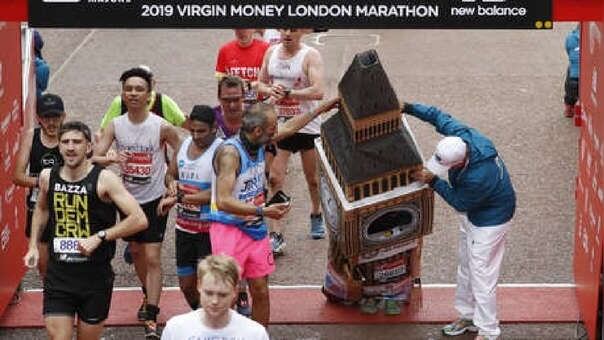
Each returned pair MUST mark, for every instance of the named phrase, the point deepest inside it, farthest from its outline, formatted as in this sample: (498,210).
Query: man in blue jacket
(40,65)
(572,45)
(480,190)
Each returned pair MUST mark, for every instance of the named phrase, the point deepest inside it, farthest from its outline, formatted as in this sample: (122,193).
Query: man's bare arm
(292,126)
(227,163)
(172,175)
(169,134)
(313,67)
(100,149)
(110,188)
(40,215)
(263,79)
(38,221)
(20,176)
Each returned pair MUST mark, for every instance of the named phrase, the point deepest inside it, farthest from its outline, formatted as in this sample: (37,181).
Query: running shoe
(391,306)
(369,306)
(277,243)
(459,327)
(243,305)
(151,330)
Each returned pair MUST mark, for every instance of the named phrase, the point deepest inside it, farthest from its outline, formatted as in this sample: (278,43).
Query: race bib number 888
(66,245)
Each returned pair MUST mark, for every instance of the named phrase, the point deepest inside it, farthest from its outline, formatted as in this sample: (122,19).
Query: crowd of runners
(222,168)
(218,166)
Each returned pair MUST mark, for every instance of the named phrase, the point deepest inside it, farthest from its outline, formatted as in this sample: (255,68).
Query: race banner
(589,236)
(12,199)
(450,14)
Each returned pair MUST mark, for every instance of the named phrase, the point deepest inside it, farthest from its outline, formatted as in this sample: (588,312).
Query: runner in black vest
(78,203)
(40,157)
(39,149)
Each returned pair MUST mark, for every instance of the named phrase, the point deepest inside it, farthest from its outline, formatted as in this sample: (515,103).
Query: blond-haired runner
(217,281)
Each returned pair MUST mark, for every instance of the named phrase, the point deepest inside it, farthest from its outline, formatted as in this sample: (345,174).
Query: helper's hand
(277,211)
(89,244)
(424,176)
(32,257)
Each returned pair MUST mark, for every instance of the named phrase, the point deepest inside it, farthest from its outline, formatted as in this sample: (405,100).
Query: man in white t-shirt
(218,279)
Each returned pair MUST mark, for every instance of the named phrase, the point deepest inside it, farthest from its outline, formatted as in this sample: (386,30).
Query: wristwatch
(102,235)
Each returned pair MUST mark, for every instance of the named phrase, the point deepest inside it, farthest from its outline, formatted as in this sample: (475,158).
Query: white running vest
(290,73)
(194,175)
(144,170)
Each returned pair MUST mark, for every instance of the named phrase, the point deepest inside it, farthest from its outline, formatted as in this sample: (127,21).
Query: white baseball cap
(449,151)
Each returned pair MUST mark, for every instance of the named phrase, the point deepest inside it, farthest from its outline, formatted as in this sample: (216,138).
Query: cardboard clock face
(330,206)
(398,222)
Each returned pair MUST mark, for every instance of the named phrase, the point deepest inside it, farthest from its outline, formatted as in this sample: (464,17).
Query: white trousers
(480,254)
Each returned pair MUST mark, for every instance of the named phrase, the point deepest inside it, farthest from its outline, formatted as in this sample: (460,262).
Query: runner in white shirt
(292,75)
(218,278)
(189,182)
(140,138)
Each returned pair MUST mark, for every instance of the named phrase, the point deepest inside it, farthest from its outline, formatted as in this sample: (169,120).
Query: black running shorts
(298,142)
(190,249)
(86,294)
(157,225)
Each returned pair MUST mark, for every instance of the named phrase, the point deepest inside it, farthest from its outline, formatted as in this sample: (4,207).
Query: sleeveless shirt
(290,74)
(77,212)
(249,188)
(144,170)
(194,175)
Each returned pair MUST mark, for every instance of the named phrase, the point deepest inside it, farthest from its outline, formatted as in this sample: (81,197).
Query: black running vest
(76,212)
(40,157)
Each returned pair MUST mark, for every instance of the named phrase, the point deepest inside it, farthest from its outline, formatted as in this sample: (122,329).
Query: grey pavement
(376,332)
(507,83)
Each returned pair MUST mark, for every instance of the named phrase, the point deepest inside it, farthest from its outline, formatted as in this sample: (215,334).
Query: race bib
(188,211)
(137,168)
(288,107)
(66,245)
